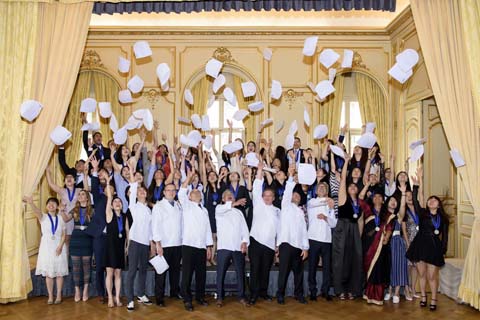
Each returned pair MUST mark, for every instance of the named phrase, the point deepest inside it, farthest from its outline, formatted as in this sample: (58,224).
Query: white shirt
(319,229)
(167,223)
(265,222)
(293,227)
(141,229)
(390,188)
(232,228)
(195,223)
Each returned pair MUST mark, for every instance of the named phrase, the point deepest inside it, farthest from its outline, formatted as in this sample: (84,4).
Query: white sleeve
(133,194)
(223,208)
(244,229)
(257,190)
(156,223)
(182,196)
(209,238)
(287,194)
(331,218)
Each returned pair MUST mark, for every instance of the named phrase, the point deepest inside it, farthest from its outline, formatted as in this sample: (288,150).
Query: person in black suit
(76,171)
(96,229)
(295,155)
(103,153)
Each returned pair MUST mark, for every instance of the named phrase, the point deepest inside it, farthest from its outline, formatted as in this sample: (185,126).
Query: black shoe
(313,297)
(267,297)
(433,307)
(188,306)
(281,300)
(252,301)
(423,303)
(301,300)
(329,297)
(160,304)
(144,300)
(202,302)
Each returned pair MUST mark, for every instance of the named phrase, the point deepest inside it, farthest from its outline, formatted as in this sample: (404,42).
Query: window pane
(353,141)
(342,118)
(355,117)
(228,112)
(214,115)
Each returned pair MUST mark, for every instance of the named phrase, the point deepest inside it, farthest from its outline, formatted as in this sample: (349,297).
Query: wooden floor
(37,309)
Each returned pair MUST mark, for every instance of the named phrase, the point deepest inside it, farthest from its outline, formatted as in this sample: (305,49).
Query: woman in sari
(376,237)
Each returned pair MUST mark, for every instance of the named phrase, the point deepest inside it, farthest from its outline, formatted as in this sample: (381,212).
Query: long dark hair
(281,154)
(384,213)
(445,217)
(153,184)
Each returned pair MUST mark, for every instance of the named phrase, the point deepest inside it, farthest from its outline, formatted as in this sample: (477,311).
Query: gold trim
(224,55)
(91,60)
(152,97)
(291,96)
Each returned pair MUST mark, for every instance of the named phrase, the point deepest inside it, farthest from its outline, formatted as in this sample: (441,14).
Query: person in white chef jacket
(321,220)
(197,243)
(167,234)
(261,250)
(232,243)
(292,240)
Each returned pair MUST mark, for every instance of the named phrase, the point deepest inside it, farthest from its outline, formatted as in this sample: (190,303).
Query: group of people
(372,229)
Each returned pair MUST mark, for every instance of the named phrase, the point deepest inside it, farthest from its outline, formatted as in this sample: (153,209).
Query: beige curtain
(61,38)
(106,89)
(331,108)
(201,93)
(73,121)
(18,24)
(439,27)
(373,107)
(250,121)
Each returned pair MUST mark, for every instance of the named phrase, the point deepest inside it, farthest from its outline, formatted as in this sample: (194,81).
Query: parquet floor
(36,309)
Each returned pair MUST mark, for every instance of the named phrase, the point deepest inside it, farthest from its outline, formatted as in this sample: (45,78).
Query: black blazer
(106,151)
(242,193)
(99,220)
(302,158)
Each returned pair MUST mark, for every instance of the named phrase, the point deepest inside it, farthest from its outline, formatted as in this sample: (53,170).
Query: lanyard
(82,215)
(70,194)
(435,221)
(54,227)
(356,208)
(157,193)
(120,223)
(377,218)
(235,191)
(414,216)
(215,197)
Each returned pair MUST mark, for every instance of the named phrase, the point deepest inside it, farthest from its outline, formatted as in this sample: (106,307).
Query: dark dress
(115,248)
(81,242)
(347,251)
(428,246)
(211,199)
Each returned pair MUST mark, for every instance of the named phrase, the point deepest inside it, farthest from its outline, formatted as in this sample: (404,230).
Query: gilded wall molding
(152,96)
(224,55)
(91,60)
(291,96)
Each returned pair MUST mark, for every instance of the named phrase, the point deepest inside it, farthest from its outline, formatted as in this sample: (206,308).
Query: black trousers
(319,249)
(224,259)
(290,260)
(99,244)
(193,260)
(261,260)
(173,256)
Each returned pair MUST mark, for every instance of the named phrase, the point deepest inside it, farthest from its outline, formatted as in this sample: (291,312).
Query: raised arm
(342,190)
(50,181)
(116,166)
(62,161)
(143,135)
(287,194)
(36,211)
(362,193)
(366,172)
(230,130)
(421,197)
(108,209)
(257,185)
(401,212)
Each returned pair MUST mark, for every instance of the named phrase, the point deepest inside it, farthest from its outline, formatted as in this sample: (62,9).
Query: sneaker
(387,297)
(144,300)
(396,299)
(130,306)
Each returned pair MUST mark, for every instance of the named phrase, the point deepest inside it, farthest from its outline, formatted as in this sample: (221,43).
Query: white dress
(48,263)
